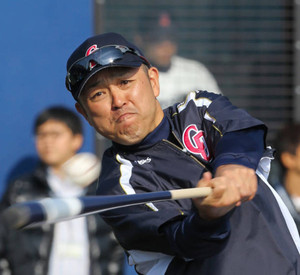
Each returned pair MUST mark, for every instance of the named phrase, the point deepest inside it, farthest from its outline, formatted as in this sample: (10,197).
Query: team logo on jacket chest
(194,141)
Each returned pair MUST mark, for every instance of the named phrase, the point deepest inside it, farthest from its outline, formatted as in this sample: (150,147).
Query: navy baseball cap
(97,53)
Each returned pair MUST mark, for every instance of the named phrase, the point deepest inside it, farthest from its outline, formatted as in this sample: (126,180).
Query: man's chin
(129,140)
(130,135)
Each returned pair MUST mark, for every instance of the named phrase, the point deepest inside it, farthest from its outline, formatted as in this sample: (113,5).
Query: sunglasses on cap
(105,57)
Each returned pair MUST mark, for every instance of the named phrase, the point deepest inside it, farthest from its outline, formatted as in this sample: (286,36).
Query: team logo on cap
(89,51)
(194,141)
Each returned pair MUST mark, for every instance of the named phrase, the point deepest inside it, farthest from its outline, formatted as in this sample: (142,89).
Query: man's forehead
(115,71)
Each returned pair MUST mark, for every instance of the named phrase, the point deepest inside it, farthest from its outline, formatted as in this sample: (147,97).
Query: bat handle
(189,193)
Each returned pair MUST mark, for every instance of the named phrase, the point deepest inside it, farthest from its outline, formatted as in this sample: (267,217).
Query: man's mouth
(124,117)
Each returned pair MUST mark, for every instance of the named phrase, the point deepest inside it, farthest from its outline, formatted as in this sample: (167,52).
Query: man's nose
(118,98)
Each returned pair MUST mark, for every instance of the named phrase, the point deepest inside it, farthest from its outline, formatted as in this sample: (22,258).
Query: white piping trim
(126,173)
(199,102)
(262,172)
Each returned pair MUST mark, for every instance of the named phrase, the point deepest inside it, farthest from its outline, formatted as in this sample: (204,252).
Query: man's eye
(124,82)
(95,95)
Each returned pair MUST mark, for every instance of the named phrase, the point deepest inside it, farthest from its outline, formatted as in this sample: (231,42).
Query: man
(157,37)
(287,180)
(81,246)
(204,141)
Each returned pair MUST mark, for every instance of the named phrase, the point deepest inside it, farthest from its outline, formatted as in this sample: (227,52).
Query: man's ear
(154,80)
(81,111)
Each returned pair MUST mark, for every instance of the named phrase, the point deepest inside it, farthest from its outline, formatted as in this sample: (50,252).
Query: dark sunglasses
(104,56)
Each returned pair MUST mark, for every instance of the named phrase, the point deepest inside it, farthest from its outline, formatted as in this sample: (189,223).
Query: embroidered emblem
(194,141)
(143,161)
(89,51)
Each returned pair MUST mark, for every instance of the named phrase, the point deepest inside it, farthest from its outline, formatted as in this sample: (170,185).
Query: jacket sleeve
(193,237)
(242,137)
(244,147)
(231,135)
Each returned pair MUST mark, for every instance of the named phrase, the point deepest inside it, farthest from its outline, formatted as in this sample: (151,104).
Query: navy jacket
(168,237)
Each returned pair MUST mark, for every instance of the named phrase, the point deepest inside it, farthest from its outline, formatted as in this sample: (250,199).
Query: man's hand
(232,185)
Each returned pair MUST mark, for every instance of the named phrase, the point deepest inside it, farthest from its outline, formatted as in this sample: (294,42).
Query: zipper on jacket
(183,149)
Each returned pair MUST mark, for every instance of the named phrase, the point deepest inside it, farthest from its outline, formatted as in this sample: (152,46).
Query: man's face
(56,143)
(291,161)
(160,53)
(120,103)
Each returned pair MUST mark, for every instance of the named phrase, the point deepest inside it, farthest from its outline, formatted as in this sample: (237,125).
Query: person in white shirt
(83,246)
(177,75)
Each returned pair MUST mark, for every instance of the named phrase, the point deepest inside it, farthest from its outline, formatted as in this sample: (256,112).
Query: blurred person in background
(82,246)
(177,75)
(285,176)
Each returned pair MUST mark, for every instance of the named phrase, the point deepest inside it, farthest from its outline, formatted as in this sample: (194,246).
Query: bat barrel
(20,215)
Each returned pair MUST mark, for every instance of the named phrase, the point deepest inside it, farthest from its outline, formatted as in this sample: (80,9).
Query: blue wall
(37,37)
(36,40)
